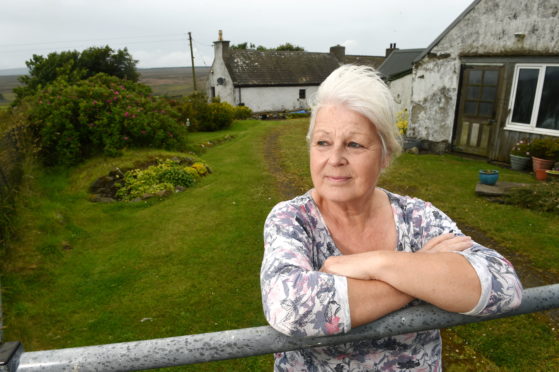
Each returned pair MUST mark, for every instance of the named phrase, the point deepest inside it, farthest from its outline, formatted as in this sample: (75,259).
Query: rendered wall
(487,30)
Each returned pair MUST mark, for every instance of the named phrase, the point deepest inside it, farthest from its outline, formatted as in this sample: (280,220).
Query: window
(534,106)
(481,92)
(212,92)
(302,93)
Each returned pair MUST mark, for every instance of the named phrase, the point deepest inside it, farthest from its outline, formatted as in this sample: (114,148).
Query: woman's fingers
(447,243)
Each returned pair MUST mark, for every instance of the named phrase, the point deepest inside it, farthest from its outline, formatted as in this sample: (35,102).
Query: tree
(290,47)
(73,66)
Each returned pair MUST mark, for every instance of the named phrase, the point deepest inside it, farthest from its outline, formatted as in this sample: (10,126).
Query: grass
(84,273)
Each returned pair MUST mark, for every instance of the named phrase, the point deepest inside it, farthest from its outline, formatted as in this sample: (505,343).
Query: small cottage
(396,70)
(270,80)
(490,79)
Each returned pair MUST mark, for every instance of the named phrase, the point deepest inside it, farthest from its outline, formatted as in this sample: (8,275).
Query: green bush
(163,177)
(545,148)
(102,114)
(542,197)
(204,116)
(242,112)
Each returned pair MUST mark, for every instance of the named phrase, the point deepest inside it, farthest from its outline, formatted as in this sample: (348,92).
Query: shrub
(242,112)
(163,177)
(204,116)
(545,148)
(543,197)
(102,114)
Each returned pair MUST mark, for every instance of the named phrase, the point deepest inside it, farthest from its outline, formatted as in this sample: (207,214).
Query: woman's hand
(356,266)
(447,243)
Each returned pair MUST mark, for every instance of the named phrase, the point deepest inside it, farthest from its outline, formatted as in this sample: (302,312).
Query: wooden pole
(192,59)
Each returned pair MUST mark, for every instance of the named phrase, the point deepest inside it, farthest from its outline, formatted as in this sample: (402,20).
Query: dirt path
(287,185)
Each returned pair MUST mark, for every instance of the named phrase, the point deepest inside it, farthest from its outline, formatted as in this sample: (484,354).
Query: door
(477,109)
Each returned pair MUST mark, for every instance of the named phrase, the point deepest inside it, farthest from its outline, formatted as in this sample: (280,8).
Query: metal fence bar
(175,351)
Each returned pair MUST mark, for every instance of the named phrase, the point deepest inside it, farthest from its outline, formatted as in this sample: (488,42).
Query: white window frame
(529,128)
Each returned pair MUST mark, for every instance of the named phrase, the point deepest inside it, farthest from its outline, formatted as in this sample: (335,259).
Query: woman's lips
(337,178)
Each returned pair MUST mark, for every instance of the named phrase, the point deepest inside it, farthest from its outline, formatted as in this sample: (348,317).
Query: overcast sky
(156,31)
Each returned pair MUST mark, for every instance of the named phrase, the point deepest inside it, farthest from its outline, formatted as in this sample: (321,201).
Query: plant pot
(519,162)
(538,163)
(411,142)
(488,177)
(541,174)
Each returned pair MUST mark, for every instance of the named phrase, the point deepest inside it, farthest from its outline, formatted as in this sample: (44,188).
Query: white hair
(360,89)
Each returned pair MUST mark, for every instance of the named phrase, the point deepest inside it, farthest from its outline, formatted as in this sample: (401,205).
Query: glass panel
(473,92)
(490,77)
(470,108)
(489,93)
(474,77)
(524,97)
(548,115)
(485,109)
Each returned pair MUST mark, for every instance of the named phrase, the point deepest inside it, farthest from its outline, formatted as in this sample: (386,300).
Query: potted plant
(520,155)
(544,151)
(488,176)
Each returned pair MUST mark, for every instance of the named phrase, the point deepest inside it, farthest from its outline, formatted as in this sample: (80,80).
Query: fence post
(10,353)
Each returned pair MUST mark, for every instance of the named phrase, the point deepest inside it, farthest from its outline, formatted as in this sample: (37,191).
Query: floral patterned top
(301,301)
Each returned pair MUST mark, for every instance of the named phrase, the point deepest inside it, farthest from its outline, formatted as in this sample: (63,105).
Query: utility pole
(192,59)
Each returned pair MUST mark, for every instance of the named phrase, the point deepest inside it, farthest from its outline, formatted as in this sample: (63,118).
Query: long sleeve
(501,290)
(298,299)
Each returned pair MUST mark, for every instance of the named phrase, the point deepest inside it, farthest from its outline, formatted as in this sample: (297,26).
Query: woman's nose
(337,156)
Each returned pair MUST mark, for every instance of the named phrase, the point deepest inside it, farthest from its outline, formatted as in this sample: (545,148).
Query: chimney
(391,49)
(221,47)
(338,51)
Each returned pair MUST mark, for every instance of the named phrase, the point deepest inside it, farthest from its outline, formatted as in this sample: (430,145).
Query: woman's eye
(354,145)
(321,143)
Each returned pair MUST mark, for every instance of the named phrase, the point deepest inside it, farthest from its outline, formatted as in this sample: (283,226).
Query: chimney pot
(220,35)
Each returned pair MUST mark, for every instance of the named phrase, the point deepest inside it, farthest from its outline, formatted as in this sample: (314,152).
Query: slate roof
(399,63)
(279,68)
(285,68)
(373,61)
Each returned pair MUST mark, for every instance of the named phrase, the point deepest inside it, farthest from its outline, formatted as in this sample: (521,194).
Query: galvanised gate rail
(175,351)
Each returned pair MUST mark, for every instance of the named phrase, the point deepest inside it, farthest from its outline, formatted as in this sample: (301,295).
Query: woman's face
(345,155)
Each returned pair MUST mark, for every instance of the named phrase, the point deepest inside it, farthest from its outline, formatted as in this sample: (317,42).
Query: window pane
(473,92)
(470,108)
(474,77)
(524,98)
(548,115)
(489,93)
(490,77)
(485,109)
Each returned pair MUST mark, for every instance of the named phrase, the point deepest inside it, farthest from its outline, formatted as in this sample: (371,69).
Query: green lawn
(83,273)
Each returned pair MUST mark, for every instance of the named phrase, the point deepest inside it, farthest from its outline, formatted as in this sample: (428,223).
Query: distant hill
(13,71)
(174,81)
(165,81)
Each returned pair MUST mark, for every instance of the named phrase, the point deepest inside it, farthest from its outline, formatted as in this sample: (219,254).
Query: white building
(271,81)
(490,79)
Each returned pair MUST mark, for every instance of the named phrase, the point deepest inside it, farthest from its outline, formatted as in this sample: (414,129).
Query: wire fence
(183,350)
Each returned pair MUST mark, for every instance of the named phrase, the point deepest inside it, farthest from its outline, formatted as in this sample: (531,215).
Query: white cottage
(271,81)
(491,78)
(396,70)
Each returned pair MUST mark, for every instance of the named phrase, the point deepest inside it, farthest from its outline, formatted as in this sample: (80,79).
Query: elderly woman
(347,252)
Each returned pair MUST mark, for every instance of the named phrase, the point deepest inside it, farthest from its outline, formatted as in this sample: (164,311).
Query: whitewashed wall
(219,70)
(261,99)
(401,90)
(488,29)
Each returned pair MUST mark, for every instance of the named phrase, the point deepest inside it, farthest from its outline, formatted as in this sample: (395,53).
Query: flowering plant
(402,121)
(521,148)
